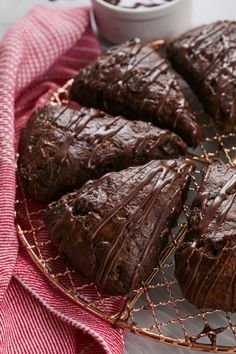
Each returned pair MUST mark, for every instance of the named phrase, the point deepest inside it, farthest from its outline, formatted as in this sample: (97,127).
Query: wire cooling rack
(157,310)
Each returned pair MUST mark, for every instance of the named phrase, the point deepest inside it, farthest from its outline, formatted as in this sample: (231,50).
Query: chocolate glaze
(206,260)
(206,57)
(62,148)
(132,4)
(113,229)
(133,80)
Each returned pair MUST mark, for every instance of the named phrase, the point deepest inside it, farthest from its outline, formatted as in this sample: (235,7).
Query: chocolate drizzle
(135,81)
(63,148)
(206,57)
(104,133)
(81,123)
(122,215)
(145,206)
(206,261)
(211,210)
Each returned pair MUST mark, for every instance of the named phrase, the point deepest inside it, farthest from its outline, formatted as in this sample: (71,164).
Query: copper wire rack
(158,309)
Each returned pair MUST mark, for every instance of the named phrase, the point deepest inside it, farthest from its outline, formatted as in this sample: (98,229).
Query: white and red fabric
(37,55)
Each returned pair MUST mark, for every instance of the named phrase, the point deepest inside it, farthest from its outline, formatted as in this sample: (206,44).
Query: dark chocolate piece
(133,80)
(62,148)
(134,4)
(206,58)
(206,260)
(113,229)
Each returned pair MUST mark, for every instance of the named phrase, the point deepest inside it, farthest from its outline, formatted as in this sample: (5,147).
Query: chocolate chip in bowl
(134,4)
(118,21)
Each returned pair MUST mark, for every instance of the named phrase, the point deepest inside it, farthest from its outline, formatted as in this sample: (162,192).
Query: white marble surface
(203,11)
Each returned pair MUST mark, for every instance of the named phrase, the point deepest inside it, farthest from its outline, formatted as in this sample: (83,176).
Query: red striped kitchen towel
(37,55)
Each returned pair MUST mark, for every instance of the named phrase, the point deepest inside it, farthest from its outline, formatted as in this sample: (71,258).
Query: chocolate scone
(133,80)
(206,260)
(62,148)
(206,58)
(113,229)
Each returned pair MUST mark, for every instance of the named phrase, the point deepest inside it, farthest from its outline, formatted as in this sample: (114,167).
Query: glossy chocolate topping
(206,57)
(133,4)
(206,261)
(133,80)
(113,229)
(63,148)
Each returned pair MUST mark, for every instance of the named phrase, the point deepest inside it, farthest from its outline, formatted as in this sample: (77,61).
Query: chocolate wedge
(113,229)
(206,260)
(133,80)
(206,57)
(62,148)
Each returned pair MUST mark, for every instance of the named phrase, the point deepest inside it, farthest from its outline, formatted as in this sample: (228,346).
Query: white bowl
(117,24)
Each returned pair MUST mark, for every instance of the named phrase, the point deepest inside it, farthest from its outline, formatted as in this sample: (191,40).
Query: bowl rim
(147,10)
